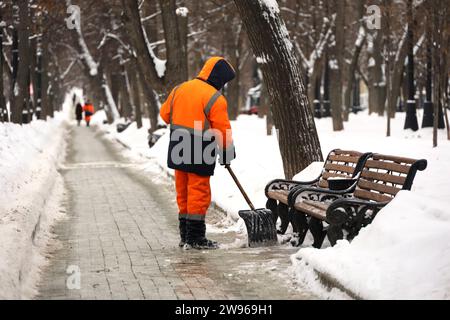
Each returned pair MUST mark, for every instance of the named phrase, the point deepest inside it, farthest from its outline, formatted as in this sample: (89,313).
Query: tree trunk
(20,94)
(266,107)
(428,112)
(233,43)
(115,86)
(411,107)
(145,62)
(315,81)
(135,95)
(337,50)
(377,86)
(351,74)
(298,139)
(175,33)
(44,79)
(326,89)
(127,105)
(3,110)
(397,77)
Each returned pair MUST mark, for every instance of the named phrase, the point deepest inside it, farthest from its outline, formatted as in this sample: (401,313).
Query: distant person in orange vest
(88,112)
(199,129)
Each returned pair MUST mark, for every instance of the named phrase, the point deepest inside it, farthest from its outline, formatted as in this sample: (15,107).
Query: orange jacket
(197,106)
(88,111)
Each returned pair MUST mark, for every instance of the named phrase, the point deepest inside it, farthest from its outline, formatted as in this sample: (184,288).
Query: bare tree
(298,139)
(19,95)
(3,110)
(336,63)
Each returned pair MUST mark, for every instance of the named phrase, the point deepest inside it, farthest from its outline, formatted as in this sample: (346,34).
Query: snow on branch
(160,65)
(150,17)
(272,5)
(115,37)
(309,63)
(65,73)
(111,103)
(182,12)
(85,54)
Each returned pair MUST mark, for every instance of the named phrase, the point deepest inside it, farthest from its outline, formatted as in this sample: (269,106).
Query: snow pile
(405,252)
(30,192)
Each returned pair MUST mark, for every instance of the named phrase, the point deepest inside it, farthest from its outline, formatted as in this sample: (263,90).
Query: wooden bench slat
(364,194)
(344,158)
(323,184)
(390,166)
(339,167)
(327,175)
(348,152)
(378,156)
(311,210)
(279,195)
(400,180)
(317,204)
(369,185)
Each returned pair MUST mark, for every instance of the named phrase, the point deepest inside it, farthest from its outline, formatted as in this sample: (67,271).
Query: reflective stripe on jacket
(192,109)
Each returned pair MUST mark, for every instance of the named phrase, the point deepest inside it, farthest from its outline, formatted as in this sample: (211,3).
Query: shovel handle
(240,187)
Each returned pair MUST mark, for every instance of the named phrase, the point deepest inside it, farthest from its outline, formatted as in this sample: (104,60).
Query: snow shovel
(260,223)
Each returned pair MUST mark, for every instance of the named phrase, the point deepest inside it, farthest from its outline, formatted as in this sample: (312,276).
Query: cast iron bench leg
(299,225)
(272,205)
(316,228)
(335,233)
(283,213)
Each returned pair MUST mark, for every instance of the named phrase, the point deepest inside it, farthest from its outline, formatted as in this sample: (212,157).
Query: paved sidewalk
(121,234)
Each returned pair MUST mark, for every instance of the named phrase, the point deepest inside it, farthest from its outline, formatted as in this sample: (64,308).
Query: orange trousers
(193,195)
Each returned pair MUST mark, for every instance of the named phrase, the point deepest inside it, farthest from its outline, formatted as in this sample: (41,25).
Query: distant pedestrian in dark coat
(79,113)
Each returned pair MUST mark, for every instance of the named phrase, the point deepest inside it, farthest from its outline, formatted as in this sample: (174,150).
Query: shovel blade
(261,227)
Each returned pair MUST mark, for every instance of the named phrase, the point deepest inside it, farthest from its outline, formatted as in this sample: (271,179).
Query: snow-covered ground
(31,190)
(405,253)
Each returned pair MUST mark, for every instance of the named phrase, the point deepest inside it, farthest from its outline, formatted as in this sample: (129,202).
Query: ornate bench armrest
(288,185)
(318,194)
(353,211)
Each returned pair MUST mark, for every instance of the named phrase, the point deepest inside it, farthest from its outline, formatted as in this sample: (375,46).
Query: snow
(361,37)
(160,65)
(405,252)
(272,5)
(31,190)
(85,54)
(111,103)
(87,57)
(333,63)
(182,12)
(262,60)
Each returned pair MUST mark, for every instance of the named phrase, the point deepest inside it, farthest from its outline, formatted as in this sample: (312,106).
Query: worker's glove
(227,155)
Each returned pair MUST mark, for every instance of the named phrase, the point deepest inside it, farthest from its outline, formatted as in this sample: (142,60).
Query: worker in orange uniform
(199,131)
(88,112)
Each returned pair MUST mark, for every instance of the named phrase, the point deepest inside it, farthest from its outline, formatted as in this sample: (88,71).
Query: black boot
(182,232)
(195,236)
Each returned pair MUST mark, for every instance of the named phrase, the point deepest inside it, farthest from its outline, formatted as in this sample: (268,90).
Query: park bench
(343,165)
(381,178)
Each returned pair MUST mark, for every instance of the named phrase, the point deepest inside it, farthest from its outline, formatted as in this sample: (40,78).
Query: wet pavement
(120,239)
